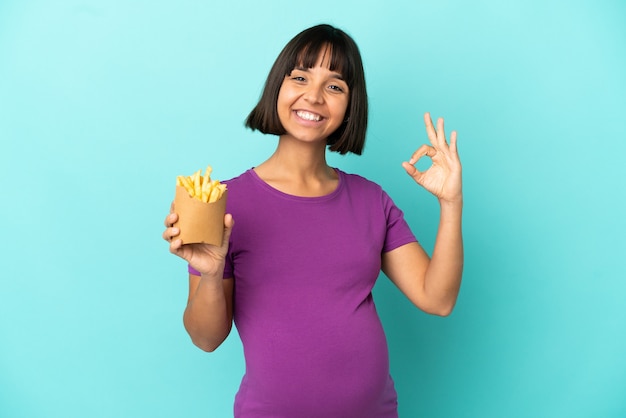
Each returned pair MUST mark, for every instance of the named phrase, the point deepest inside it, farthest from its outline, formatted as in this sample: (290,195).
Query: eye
(298,78)
(337,88)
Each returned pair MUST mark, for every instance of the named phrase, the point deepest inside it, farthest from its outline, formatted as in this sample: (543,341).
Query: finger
(441,133)
(170,233)
(453,147)
(430,129)
(229,222)
(424,150)
(411,170)
(171,219)
(175,246)
(409,167)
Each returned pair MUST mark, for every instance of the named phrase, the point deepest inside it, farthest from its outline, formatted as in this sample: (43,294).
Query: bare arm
(208,316)
(433,284)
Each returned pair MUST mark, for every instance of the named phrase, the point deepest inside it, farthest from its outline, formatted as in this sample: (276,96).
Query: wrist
(451,212)
(214,272)
(212,275)
(453,205)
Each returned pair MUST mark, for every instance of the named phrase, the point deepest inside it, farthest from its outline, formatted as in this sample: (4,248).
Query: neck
(298,168)
(299,159)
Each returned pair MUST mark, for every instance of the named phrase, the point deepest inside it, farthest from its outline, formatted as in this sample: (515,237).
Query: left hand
(443,177)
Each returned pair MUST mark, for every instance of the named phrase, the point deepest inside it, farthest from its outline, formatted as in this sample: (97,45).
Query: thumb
(229,222)
(412,171)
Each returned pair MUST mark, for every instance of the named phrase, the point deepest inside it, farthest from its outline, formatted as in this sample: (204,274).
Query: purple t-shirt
(304,269)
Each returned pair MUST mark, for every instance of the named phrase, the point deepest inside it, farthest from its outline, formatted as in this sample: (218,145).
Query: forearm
(443,276)
(207,317)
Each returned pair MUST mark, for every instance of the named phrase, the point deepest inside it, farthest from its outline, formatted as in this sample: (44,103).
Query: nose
(314,95)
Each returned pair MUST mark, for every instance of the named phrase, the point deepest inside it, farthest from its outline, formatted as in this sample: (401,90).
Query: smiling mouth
(308,116)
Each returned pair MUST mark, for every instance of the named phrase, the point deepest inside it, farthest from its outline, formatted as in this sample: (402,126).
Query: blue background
(103,103)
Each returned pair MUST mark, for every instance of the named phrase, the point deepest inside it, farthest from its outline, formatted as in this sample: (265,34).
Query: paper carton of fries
(200,203)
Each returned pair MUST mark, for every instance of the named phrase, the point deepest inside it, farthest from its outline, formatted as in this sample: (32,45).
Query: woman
(296,272)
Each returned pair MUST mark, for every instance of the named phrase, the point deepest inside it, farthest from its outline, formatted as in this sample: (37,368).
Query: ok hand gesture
(443,177)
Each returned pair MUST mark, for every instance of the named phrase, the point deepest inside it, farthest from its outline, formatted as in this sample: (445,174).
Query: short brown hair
(304,50)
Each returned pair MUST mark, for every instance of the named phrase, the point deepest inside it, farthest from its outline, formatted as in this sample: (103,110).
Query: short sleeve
(398,231)
(228,268)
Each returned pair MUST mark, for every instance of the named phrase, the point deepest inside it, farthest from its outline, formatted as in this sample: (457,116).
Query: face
(312,102)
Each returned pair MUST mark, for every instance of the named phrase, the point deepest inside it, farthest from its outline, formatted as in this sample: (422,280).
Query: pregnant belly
(331,367)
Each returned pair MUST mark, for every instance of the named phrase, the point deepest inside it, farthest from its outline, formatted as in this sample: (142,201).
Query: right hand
(206,258)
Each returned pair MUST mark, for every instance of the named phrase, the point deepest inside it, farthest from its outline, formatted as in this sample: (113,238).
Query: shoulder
(242,183)
(359,184)
(366,191)
(239,188)
(247,192)
(357,180)
(242,178)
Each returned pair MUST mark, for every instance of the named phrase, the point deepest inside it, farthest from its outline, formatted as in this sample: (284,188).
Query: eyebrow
(334,74)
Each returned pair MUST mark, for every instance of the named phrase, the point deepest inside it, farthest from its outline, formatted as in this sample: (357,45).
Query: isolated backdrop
(104,102)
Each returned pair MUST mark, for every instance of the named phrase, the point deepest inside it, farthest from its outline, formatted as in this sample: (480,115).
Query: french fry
(201,186)
(198,221)
(197,186)
(214,196)
(207,174)
(184,182)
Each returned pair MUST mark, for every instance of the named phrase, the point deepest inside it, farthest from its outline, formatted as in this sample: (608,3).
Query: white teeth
(308,115)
